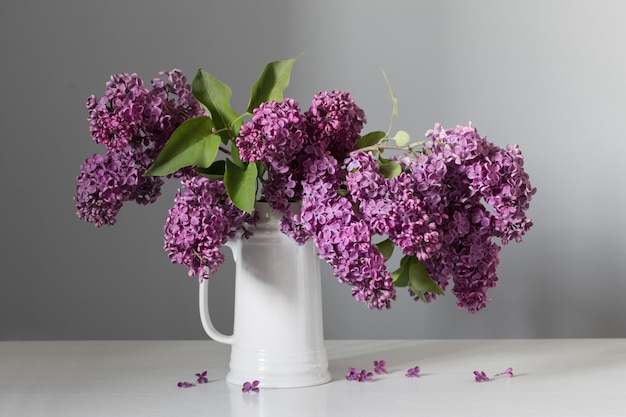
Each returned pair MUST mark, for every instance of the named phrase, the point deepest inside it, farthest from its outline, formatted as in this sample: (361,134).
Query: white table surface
(554,377)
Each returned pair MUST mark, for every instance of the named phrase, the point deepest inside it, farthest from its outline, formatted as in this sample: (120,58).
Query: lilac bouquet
(443,202)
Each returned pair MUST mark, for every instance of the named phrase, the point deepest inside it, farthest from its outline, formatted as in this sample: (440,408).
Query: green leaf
(234,155)
(386,248)
(241,185)
(193,143)
(370,139)
(401,275)
(270,85)
(419,278)
(215,171)
(390,169)
(402,138)
(260,167)
(215,97)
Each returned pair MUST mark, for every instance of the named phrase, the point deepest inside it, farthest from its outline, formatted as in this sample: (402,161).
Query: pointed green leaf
(390,169)
(386,248)
(260,167)
(234,155)
(214,172)
(420,279)
(401,275)
(270,85)
(215,97)
(395,276)
(370,139)
(402,138)
(241,185)
(193,143)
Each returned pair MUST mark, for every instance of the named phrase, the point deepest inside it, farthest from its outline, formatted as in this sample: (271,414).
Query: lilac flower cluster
(133,123)
(201,221)
(457,173)
(276,133)
(335,123)
(343,238)
(434,209)
(308,168)
(106,181)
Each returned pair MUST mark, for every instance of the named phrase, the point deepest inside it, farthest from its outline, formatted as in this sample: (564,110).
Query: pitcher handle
(205,318)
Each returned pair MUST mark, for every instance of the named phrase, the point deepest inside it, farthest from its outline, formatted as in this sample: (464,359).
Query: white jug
(278,336)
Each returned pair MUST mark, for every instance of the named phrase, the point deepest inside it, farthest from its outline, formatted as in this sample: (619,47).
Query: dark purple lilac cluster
(133,123)
(200,223)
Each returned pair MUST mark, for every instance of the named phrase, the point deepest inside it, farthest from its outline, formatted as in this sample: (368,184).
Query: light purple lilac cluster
(201,221)
(133,123)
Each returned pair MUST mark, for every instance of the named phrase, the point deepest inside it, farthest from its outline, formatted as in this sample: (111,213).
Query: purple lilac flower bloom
(106,181)
(413,372)
(202,220)
(275,134)
(334,122)
(458,173)
(480,376)
(380,367)
(133,123)
(250,386)
(116,117)
(202,378)
(343,239)
(392,206)
(491,173)
(185,384)
(352,374)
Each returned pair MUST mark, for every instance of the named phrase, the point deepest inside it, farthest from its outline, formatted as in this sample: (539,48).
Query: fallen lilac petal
(413,372)
(379,367)
(185,384)
(361,376)
(480,376)
(202,379)
(365,376)
(508,372)
(253,386)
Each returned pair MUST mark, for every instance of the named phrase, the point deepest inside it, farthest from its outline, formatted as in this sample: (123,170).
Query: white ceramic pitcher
(278,334)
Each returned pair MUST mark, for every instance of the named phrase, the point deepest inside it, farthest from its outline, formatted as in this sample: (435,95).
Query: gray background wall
(548,75)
